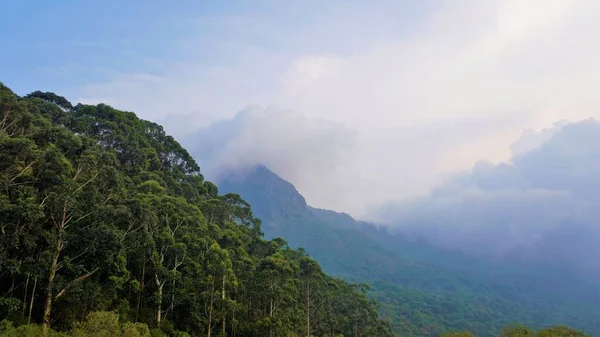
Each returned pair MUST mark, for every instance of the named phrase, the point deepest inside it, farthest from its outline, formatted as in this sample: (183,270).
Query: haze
(359,106)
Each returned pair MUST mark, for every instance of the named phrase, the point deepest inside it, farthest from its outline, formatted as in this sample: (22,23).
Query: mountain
(424,289)
(108,228)
(285,213)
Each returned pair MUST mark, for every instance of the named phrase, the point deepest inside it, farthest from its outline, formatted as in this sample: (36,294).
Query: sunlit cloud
(425,90)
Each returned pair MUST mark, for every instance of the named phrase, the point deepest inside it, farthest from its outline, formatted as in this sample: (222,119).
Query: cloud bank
(283,140)
(408,91)
(543,205)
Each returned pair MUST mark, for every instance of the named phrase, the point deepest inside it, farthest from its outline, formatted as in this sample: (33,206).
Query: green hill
(107,227)
(423,290)
(105,220)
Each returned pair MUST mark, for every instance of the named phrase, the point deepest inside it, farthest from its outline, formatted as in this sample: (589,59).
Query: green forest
(108,228)
(106,219)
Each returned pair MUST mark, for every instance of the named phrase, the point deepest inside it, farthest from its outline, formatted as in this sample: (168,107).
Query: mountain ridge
(268,192)
(398,266)
(108,228)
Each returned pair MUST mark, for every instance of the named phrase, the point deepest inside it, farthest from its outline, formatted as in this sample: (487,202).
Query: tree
(68,201)
(517,330)
(458,334)
(276,288)
(107,222)
(59,101)
(560,331)
(310,273)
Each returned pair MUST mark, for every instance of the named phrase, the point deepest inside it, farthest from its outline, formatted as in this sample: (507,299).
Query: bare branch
(44,200)
(77,280)
(22,172)
(79,219)
(84,184)
(130,230)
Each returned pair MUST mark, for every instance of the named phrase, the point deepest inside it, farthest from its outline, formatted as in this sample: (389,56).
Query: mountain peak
(271,196)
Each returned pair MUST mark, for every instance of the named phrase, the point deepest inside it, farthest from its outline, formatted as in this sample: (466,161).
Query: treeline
(103,214)
(418,313)
(518,330)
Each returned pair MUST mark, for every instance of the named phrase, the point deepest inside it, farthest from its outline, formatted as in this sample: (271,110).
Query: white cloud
(424,94)
(536,206)
(283,140)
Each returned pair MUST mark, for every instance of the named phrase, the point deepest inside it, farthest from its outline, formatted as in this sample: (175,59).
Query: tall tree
(102,212)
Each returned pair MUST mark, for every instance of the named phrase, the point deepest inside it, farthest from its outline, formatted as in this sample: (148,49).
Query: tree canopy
(106,221)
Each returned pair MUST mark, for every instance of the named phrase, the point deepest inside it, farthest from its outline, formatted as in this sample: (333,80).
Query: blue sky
(334,90)
(62,45)
(218,56)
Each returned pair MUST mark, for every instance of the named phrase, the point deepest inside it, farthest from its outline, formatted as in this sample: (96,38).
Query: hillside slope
(425,290)
(285,213)
(105,216)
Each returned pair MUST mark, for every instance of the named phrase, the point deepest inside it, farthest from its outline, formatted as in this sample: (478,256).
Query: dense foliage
(107,221)
(518,330)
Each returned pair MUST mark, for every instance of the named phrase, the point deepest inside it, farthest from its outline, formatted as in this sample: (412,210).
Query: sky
(358,103)
(542,205)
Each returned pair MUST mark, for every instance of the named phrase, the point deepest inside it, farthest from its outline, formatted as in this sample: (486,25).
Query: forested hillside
(107,221)
(423,290)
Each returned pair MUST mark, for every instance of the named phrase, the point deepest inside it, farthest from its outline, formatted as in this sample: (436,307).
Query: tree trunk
(25,296)
(142,280)
(233,324)
(50,285)
(172,306)
(32,297)
(209,320)
(12,286)
(210,307)
(224,308)
(159,285)
(271,316)
(308,310)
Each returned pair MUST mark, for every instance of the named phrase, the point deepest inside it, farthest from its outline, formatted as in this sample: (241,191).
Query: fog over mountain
(406,90)
(444,152)
(333,164)
(283,140)
(541,205)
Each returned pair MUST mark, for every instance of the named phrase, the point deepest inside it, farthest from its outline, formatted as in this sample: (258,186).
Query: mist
(542,205)
(366,105)
(283,140)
